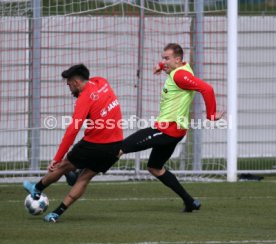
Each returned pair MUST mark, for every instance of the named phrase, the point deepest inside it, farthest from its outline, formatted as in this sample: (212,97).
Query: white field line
(106,183)
(152,198)
(193,242)
(100,183)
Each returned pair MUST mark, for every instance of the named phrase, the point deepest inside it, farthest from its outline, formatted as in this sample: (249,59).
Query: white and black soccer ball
(36,207)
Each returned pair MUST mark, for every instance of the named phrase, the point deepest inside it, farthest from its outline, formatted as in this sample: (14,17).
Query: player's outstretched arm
(187,81)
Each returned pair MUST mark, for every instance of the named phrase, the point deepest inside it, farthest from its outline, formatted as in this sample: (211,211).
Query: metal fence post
(35,86)
(198,69)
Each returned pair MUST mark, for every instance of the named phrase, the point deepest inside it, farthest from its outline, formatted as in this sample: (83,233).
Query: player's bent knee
(156,172)
(67,166)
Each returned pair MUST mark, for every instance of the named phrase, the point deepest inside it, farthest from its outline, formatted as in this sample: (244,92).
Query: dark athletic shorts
(162,145)
(94,156)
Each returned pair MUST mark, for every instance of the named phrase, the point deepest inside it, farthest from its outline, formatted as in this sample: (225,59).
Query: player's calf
(72,176)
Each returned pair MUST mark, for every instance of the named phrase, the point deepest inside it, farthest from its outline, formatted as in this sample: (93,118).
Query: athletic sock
(171,181)
(39,186)
(60,209)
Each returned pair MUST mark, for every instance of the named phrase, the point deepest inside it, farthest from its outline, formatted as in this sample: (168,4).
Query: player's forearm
(67,140)
(210,103)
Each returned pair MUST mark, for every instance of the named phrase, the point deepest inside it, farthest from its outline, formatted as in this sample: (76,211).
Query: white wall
(109,47)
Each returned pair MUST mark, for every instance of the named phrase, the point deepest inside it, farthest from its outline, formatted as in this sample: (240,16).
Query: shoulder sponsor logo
(94,96)
(103,89)
(112,105)
(103,112)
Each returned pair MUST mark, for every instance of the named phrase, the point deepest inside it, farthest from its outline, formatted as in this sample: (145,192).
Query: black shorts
(162,145)
(94,156)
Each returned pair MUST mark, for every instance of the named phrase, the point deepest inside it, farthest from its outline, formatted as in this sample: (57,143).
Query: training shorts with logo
(94,156)
(162,145)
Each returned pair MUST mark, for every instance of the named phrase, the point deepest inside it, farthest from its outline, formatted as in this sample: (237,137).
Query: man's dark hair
(177,49)
(76,70)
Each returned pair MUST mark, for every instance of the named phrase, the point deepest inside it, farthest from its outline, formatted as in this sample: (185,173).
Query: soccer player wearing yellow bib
(173,121)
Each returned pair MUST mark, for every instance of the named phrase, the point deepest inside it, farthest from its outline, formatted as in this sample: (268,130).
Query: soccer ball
(36,207)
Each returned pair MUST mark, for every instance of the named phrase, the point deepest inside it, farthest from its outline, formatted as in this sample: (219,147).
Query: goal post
(35,85)
(232,80)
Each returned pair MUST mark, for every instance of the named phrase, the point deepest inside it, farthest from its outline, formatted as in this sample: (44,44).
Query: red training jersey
(98,105)
(187,81)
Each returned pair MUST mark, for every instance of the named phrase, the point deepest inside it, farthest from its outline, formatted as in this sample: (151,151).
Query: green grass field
(145,212)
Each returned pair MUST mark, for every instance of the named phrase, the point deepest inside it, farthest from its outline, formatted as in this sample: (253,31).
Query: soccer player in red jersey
(98,150)
(173,120)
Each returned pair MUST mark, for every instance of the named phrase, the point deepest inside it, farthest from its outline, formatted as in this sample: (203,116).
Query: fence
(106,38)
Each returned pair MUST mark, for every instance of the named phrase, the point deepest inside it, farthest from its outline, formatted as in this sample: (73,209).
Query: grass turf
(145,212)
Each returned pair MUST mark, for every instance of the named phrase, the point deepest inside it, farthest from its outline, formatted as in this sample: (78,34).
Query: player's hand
(52,166)
(157,69)
(219,115)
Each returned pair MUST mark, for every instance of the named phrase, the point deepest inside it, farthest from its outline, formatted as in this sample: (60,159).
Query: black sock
(39,186)
(170,181)
(60,209)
